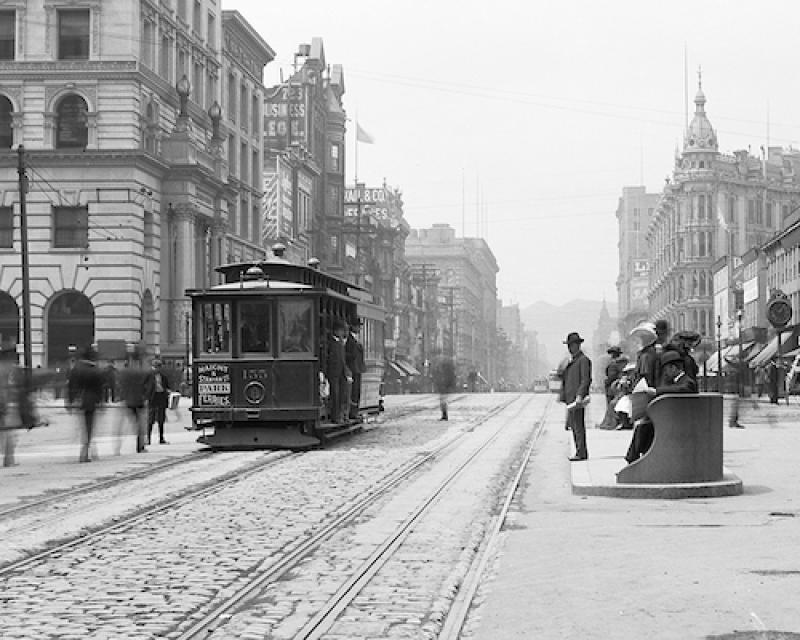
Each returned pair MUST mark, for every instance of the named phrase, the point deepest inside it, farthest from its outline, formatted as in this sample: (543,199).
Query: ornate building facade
(714,205)
(139,181)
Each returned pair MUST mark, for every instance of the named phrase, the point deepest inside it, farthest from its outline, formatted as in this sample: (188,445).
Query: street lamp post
(187,319)
(739,315)
(705,365)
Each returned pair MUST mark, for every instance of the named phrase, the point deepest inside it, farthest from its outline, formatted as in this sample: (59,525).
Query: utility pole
(450,304)
(26,277)
(426,268)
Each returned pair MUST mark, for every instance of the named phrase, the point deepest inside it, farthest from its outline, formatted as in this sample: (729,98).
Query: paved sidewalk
(47,457)
(599,567)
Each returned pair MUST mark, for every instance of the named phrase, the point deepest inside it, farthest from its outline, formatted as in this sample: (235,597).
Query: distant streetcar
(259,345)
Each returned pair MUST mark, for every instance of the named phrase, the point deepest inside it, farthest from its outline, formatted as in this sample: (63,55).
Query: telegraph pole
(26,289)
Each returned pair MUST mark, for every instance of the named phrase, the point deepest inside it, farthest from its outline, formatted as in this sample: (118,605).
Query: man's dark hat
(573,337)
(692,338)
(671,356)
(614,350)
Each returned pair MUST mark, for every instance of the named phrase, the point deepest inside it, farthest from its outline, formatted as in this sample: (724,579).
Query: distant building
(635,209)
(715,205)
(512,368)
(467,267)
(305,124)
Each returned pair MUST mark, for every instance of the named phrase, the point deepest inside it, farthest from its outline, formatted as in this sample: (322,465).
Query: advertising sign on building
(285,117)
(370,201)
(278,201)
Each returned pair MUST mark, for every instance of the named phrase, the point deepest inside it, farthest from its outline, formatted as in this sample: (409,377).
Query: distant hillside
(553,323)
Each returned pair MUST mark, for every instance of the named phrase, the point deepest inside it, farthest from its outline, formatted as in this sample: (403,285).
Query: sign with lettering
(285,117)
(213,384)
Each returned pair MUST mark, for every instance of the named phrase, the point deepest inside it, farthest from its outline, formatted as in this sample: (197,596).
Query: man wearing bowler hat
(576,380)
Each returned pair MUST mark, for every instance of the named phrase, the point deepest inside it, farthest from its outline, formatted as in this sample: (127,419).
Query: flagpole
(356,176)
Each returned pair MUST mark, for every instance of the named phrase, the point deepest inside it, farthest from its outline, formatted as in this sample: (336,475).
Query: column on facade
(185,228)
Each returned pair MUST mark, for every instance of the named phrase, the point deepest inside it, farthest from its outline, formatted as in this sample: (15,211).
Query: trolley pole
(26,276)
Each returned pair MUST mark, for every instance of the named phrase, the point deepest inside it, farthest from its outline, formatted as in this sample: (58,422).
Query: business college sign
(285,117)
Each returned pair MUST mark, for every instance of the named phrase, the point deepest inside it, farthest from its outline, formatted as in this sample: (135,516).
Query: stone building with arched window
(130,192)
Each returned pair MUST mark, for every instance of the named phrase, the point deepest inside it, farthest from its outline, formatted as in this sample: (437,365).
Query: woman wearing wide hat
(577,378)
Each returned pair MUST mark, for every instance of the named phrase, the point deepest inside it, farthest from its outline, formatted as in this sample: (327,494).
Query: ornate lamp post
(215,113)
(184,88)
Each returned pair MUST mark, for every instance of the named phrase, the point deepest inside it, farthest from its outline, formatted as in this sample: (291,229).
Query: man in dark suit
(156,390)
(354,358)
(577,378)
(337,372)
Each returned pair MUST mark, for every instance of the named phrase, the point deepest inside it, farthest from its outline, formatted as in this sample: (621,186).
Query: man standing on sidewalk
(577,378)
(157,390)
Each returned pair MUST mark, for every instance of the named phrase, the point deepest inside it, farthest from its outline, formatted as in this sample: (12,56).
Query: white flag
(363,136)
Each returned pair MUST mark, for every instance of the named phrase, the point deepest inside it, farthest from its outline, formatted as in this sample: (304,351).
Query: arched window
(6,129)
(72,128)
(70,322)
(9,327)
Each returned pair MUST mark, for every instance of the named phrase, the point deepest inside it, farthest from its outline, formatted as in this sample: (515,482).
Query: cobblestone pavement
(411,593)
(141,582)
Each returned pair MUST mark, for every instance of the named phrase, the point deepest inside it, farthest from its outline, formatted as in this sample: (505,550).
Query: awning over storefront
(406,366)
(788,343)
(396,370)
(712,364)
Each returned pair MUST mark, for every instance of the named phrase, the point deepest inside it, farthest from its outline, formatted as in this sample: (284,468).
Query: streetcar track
(324,619)
(221,612)
(461,604)
(140,515)
(100,485)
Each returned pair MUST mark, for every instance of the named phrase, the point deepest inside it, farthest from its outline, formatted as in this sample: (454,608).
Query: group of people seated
(664,364)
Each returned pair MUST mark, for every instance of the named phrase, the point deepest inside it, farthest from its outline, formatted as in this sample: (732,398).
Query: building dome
(700,135)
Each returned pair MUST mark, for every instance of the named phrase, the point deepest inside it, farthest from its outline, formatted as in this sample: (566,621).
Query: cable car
(260,343)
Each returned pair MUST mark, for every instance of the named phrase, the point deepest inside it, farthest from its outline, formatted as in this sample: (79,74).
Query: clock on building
(779,310)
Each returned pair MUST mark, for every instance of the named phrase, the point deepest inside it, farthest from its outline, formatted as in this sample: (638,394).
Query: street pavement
(47,456)
(600,567)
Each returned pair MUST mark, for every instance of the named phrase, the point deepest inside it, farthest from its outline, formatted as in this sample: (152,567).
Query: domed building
(713,206)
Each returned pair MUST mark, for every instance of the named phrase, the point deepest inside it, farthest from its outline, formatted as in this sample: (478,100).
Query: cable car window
(254,327)
(217,327)
(295,326)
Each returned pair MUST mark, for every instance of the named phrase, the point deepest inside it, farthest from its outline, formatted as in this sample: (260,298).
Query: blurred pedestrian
(354,358)
(772,381)
(8,436)
(157,388)
(760,378)
(88,384)
(444,382)
(110,383)
(575,393)
(132,395)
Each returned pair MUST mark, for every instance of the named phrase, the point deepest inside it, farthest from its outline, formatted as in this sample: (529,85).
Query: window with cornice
(6,227)
(6,118)
(72,129)
(73,34)
(70,227)
(8,23)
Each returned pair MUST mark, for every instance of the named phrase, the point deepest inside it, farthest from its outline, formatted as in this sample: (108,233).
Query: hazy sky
(547,109)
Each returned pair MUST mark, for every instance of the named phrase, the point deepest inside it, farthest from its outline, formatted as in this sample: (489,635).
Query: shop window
(73,34)
(72,130)
(70,227)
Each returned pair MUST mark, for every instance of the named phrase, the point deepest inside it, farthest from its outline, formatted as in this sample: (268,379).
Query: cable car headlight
(254,392)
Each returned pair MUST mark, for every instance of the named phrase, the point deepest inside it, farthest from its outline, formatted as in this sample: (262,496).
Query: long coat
(157,400)
(354,355)
(577,378)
